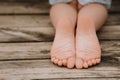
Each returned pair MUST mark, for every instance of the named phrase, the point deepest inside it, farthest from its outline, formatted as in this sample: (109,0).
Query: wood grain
(19,28)
(44,69)
(24,8)
(41,50)
(26,36)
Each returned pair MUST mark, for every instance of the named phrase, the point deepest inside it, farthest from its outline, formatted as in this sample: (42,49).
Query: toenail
(79,63)
(93,61)
(52,60)
(85,65)
(56,61)
(60,63)
(98,60)
(89,63)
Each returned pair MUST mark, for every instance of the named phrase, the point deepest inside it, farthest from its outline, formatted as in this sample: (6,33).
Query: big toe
(79,63)
(71,62)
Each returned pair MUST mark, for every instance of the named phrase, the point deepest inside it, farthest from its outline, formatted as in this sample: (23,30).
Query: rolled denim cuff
(58,1)
(107,3)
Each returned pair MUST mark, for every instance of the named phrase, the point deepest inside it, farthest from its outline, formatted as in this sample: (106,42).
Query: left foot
(88,50)
(63,49)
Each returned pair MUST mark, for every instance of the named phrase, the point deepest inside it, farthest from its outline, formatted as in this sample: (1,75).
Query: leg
(90,18)
(63,17)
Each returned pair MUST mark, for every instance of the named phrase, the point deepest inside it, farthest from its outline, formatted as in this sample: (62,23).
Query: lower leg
(96,12)
(63,17)
(90,18)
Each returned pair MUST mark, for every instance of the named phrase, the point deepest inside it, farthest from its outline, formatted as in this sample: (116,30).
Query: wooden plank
(25,28)
(44,69)
(36,6)
(85,79)
(39,28)
(24,8)
(25,50)
(41,50)
(113,19)
(81,79)
(115,7)
(33,1)
(109,32)
(63,79)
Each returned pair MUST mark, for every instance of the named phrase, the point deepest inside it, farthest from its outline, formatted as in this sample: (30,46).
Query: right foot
(63,49)
(88,50)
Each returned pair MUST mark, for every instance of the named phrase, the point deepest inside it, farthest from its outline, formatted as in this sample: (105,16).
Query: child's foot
(88,51)
(63,49)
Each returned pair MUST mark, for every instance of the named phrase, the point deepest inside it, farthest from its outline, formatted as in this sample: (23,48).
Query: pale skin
(78,46)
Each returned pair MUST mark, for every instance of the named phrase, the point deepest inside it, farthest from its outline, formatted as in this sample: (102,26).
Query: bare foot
(63,49)
(88,50)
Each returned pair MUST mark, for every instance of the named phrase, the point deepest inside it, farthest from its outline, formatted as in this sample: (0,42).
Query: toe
(71,62)
(85,65)
(89,63)
(56,61)
(64,61)
(93,61)
(52,59)
(79,63)
(97,60)
(59,63)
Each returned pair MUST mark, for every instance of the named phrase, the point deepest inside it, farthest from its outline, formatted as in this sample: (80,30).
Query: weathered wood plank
(85,79)
(80,79)
(110,32)
(25,50)
(39,28)
(44,69)
(41,50)
(25,28)
(24,8)
(33,1)
(36,6)
(115,7)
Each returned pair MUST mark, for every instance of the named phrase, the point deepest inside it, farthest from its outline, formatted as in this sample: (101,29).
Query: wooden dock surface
(26,36)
